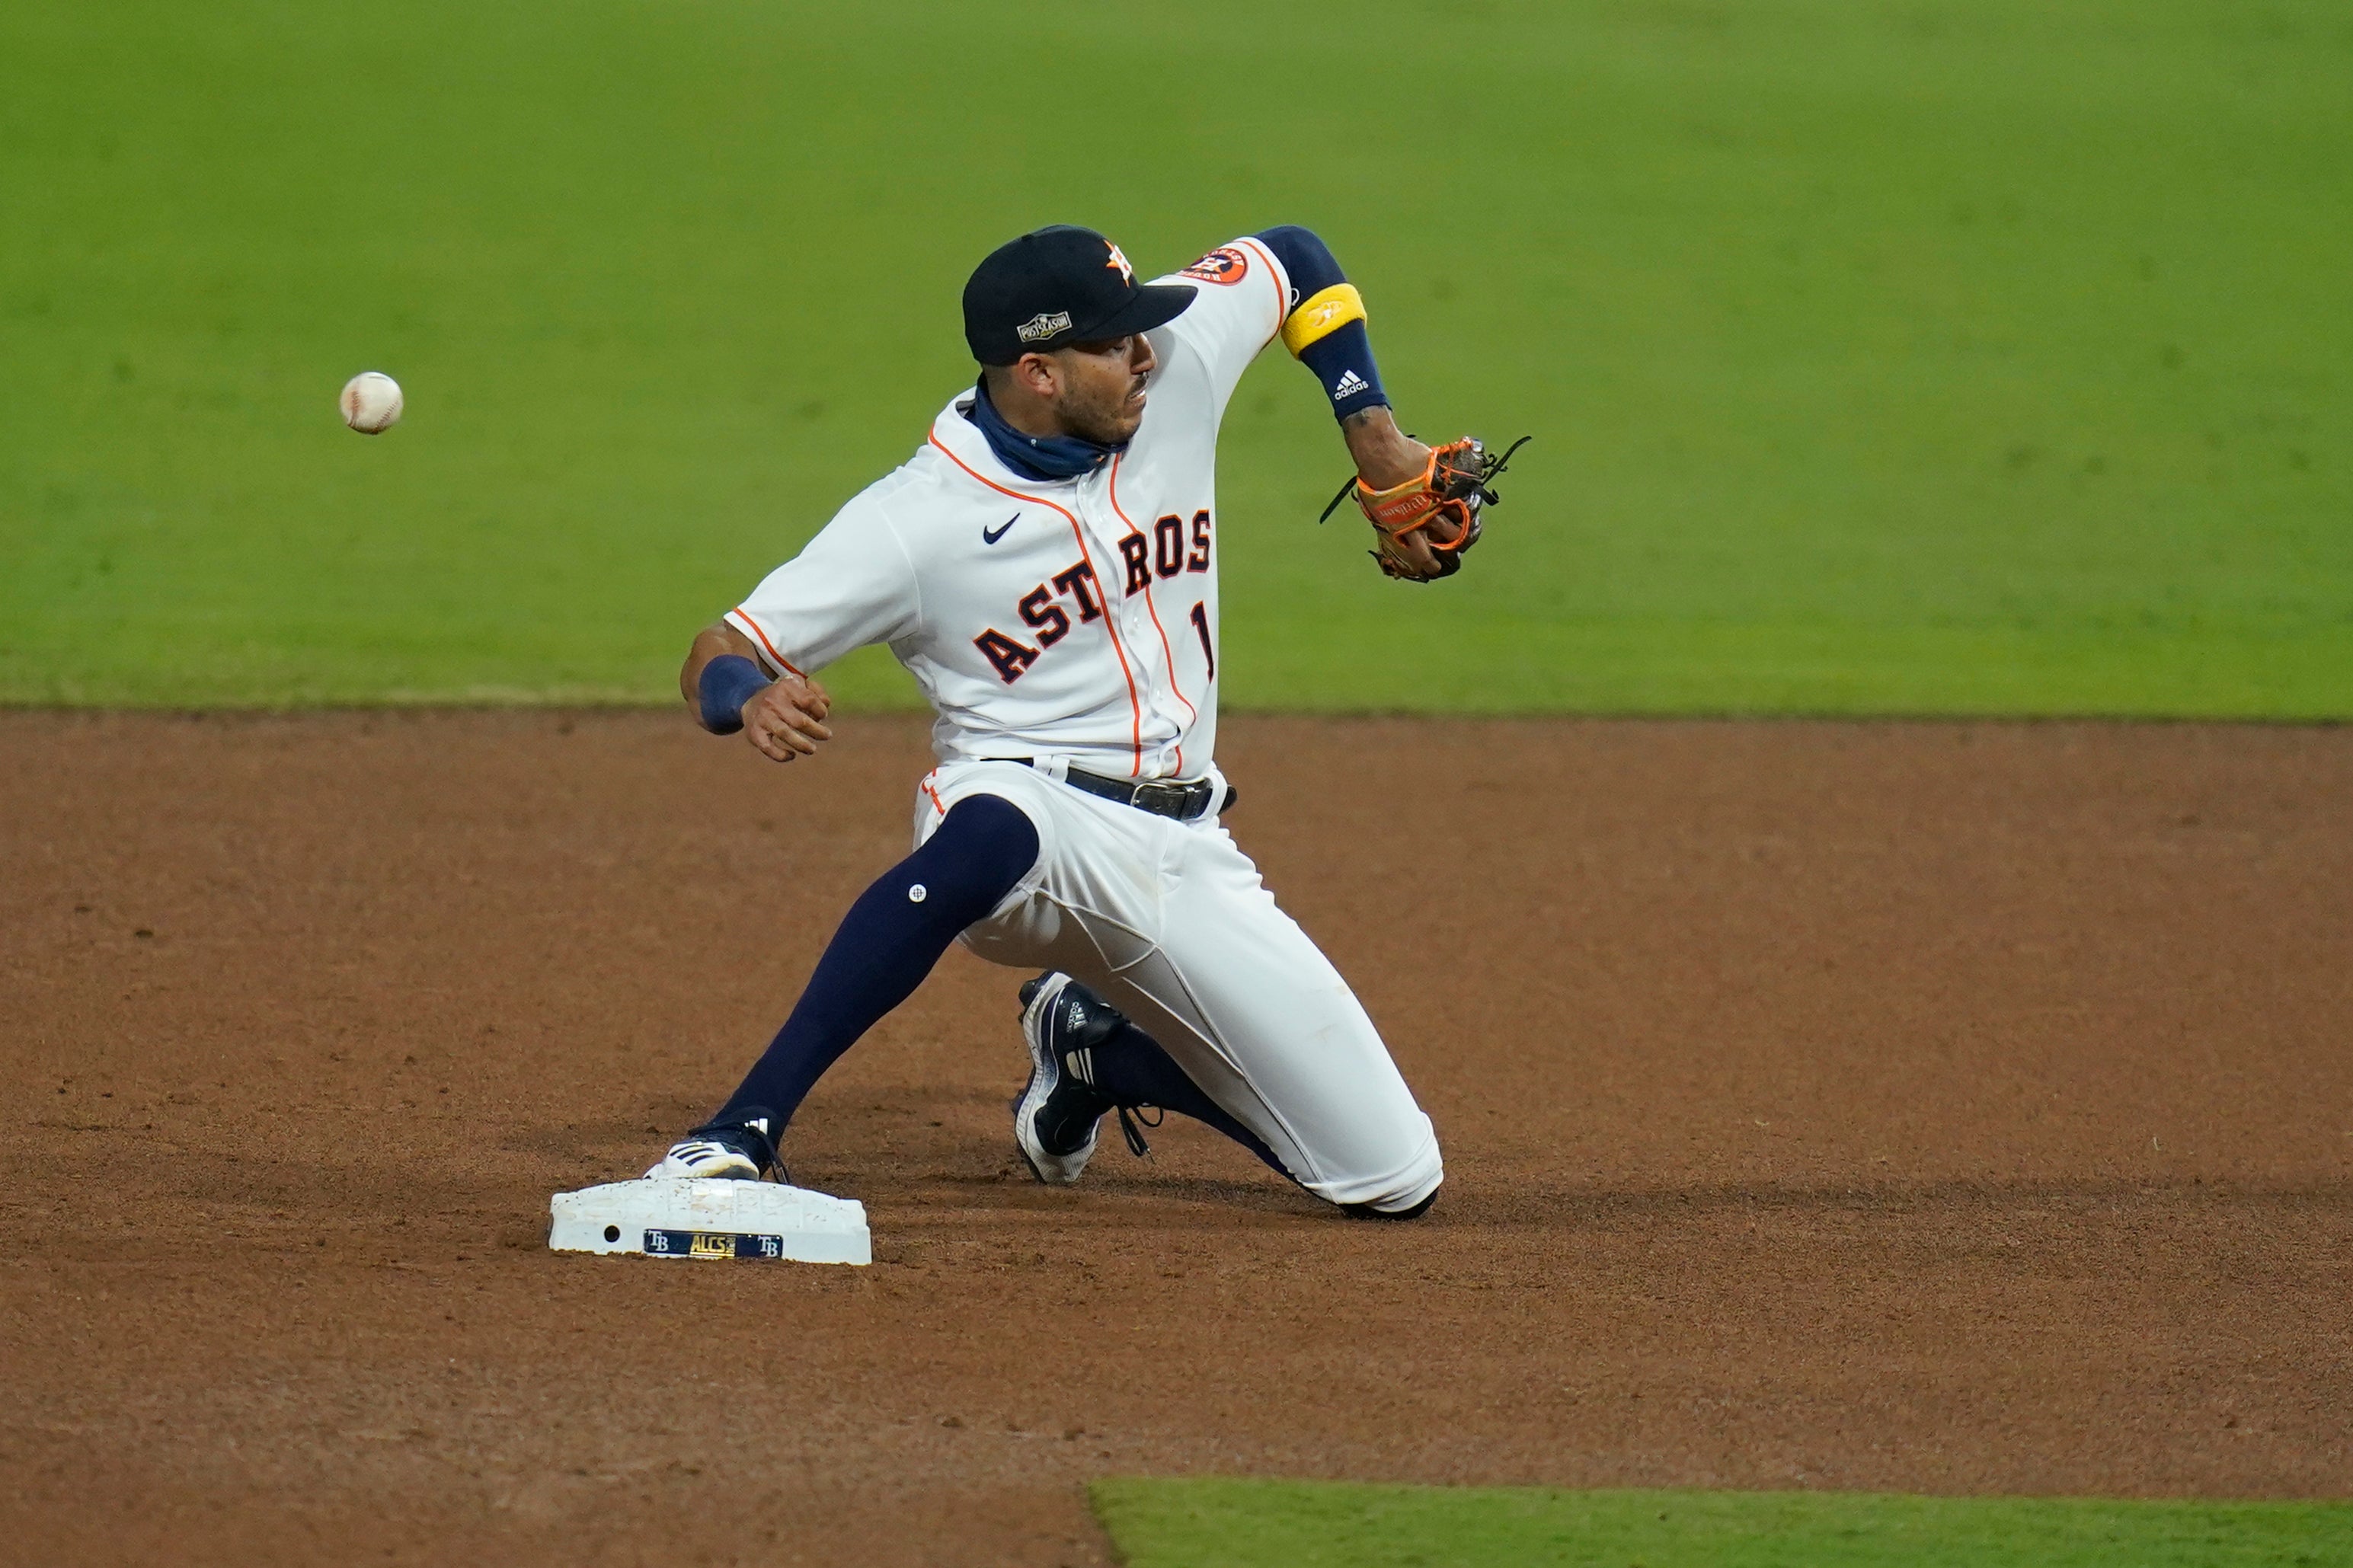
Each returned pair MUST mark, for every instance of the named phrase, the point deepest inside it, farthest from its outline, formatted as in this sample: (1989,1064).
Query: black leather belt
(1159,796)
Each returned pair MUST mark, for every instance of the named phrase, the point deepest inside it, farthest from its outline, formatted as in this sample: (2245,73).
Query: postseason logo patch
(1043,325)
(1228,264)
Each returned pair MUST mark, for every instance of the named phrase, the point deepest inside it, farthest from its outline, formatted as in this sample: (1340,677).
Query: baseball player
(1046,567)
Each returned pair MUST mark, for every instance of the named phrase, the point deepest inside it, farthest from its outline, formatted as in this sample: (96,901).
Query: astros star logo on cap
(1119,260)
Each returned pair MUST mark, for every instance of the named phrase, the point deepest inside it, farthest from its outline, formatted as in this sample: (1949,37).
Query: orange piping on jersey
(1282,294)
(1166,651)
(780,660)
(935,794)
(1111,622)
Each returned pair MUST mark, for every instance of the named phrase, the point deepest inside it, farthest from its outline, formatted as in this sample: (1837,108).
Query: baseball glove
(1442,503)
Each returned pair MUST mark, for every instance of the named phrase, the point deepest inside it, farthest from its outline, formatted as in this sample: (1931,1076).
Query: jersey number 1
(1201,625)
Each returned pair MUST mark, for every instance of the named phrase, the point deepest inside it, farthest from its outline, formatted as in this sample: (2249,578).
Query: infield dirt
(1949,1107)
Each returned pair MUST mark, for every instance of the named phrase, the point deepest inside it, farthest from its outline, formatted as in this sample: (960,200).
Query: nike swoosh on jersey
(989,536)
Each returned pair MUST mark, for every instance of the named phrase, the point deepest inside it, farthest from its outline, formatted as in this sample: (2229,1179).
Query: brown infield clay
(1946,1108)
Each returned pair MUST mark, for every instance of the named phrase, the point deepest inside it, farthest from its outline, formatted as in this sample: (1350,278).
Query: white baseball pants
(1171,923)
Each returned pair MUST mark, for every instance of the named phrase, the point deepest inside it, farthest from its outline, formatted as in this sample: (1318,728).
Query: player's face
(1102,392)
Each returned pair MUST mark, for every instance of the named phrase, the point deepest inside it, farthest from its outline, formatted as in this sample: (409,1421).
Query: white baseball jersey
(1076,618)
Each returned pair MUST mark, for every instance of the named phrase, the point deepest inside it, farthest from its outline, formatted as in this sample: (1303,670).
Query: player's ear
(1037,374)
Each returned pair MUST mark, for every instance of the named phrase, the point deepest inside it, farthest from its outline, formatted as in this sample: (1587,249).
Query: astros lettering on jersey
(1077,617)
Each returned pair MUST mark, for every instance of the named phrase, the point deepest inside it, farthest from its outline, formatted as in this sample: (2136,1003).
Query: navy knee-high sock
(886,944)
(1133,1069)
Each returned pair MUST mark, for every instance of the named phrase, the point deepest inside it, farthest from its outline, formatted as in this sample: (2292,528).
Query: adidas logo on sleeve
(1350,385)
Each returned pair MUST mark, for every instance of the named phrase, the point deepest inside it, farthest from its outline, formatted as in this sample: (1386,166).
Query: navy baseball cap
(1059,286)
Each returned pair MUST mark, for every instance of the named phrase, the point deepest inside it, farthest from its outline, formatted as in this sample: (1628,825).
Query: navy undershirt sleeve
(1305,259)
(885,947)
(1342,360)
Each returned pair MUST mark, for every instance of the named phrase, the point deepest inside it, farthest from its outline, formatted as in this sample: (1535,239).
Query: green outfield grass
(1883,356)
(1218,1522)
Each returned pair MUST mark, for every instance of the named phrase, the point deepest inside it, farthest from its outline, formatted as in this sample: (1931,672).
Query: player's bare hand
(785,719)
(1414,551)
(1418,552)
(1385,455)
(1423,503)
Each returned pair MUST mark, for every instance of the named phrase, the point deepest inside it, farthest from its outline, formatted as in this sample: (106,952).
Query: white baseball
(370,403)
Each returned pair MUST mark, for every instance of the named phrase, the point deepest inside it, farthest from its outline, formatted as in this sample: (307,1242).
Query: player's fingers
(798,700)
(801,722)
(1414,552)
(769,726)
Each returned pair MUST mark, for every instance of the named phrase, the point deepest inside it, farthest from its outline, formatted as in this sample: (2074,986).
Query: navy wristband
(727,683)
(1342,361)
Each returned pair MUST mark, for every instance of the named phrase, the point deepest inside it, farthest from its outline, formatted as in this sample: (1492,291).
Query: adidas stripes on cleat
(1055,1114)
(741,1153)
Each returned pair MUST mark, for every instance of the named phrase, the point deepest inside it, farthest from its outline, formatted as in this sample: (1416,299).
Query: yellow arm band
(1322,316)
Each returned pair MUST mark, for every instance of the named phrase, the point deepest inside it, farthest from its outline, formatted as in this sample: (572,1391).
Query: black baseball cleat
(1055,1114)
(741,1153)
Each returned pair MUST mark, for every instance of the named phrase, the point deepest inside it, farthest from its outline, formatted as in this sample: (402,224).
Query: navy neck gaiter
(1042,458)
